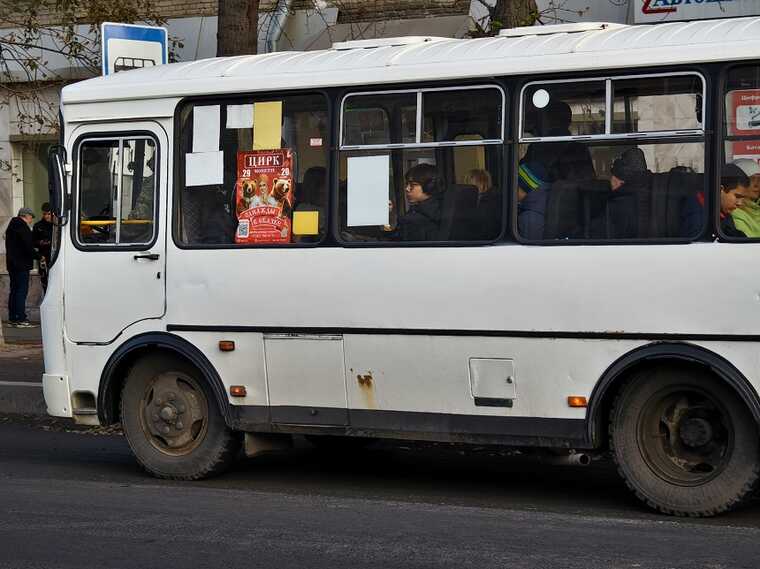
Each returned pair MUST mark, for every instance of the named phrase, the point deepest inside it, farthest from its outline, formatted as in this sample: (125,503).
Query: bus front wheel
(684,442)
(172,422)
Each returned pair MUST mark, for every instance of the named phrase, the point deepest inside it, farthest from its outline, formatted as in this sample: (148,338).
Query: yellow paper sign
(305,223)
(267,121)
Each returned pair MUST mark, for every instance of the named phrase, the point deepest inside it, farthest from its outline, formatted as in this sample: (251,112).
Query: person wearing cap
(747,217)
(532,192)
(42,235)
(19,259)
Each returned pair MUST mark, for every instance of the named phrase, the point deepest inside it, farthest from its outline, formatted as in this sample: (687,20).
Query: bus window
(453,115)
(425,191)
(573,108)
(116,176)
(653,104)
(379,119)
(585,173)
(742,149)
(272,184)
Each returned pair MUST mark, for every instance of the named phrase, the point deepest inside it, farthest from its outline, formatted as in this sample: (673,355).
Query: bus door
(115,268)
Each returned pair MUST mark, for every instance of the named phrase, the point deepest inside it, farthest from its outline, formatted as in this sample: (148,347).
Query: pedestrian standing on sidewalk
(42,235)
(19,259)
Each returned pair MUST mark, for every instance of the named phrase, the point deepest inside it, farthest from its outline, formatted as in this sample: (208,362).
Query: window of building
(630,171)
(437,176)
(117,191)
(253,171)
(740,178)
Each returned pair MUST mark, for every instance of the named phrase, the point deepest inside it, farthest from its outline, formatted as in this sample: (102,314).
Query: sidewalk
(21,370)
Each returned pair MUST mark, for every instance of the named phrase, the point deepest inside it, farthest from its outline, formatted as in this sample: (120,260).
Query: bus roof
(585,47)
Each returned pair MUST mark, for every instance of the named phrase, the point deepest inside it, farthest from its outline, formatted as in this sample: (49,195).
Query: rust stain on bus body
(368,389)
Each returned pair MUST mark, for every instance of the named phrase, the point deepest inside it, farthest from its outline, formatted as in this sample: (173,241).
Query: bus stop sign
(127,46)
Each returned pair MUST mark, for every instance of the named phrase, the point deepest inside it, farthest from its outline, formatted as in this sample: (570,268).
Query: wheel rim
(174,413)
(685,436)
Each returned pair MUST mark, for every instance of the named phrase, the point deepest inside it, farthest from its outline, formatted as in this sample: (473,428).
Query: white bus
(526,240)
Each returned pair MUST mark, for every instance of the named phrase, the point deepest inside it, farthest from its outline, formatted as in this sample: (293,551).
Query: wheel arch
(116,369)
(622,369)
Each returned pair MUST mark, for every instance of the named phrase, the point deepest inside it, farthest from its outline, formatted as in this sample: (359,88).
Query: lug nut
(179,425)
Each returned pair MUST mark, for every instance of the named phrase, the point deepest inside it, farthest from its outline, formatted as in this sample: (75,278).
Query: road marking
(21,384)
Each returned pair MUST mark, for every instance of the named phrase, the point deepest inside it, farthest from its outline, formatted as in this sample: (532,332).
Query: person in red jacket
(19,259)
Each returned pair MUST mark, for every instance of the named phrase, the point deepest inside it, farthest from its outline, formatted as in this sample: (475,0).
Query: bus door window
(117,176)
(138,191)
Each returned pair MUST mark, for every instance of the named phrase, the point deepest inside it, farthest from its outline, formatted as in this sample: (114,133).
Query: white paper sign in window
(368,183)
(206,128)
(204,168)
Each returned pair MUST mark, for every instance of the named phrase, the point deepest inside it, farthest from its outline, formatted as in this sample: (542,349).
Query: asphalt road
(75,499)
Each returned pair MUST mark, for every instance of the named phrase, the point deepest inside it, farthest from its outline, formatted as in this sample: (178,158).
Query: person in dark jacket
(423,190)
(628,184)
(532,193)
(42,235)
(19,259)
(734,185)
(567,160)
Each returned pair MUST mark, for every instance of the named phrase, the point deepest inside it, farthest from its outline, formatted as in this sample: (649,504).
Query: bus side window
(742,149)
(439,187)
(271,186)
(586,185)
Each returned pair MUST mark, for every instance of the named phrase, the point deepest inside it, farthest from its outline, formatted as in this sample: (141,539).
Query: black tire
(201,447)
(684,442)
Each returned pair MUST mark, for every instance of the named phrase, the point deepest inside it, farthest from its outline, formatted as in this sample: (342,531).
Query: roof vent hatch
(558,29)
(384,42)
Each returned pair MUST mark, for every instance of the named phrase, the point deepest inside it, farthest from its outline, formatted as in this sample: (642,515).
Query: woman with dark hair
(423,191)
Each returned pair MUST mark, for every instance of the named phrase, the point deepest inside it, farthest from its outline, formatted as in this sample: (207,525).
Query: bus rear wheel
(684,442)
(172,422)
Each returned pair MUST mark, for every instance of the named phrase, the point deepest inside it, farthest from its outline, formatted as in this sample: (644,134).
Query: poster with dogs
(264,196)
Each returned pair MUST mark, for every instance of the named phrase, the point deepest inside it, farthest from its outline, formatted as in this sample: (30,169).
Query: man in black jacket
(42,236)
(19,258)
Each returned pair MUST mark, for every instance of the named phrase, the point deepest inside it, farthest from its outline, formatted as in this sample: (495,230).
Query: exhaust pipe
(572,459)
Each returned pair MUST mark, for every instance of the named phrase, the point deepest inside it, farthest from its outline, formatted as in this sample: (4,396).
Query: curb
(21,398)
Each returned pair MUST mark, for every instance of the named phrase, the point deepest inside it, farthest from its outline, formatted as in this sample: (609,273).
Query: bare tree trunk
(238,27)
(515,13)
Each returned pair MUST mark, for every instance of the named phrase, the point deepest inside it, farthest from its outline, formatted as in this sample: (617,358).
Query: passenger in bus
(423,192)
(561,160)
(312,196)
(487,220)
(532,193)
(747,217)
(734,186)
(630,178)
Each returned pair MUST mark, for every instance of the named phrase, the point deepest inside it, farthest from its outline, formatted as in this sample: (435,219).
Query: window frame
(498,83)
(418,133)
(706,135)
(720,155)
(120,136)
(233,98)
(609,109)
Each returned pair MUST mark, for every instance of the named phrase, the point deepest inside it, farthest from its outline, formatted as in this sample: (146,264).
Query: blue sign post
(128,46)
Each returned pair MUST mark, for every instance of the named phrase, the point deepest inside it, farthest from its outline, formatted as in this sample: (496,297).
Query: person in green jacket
(747,217)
